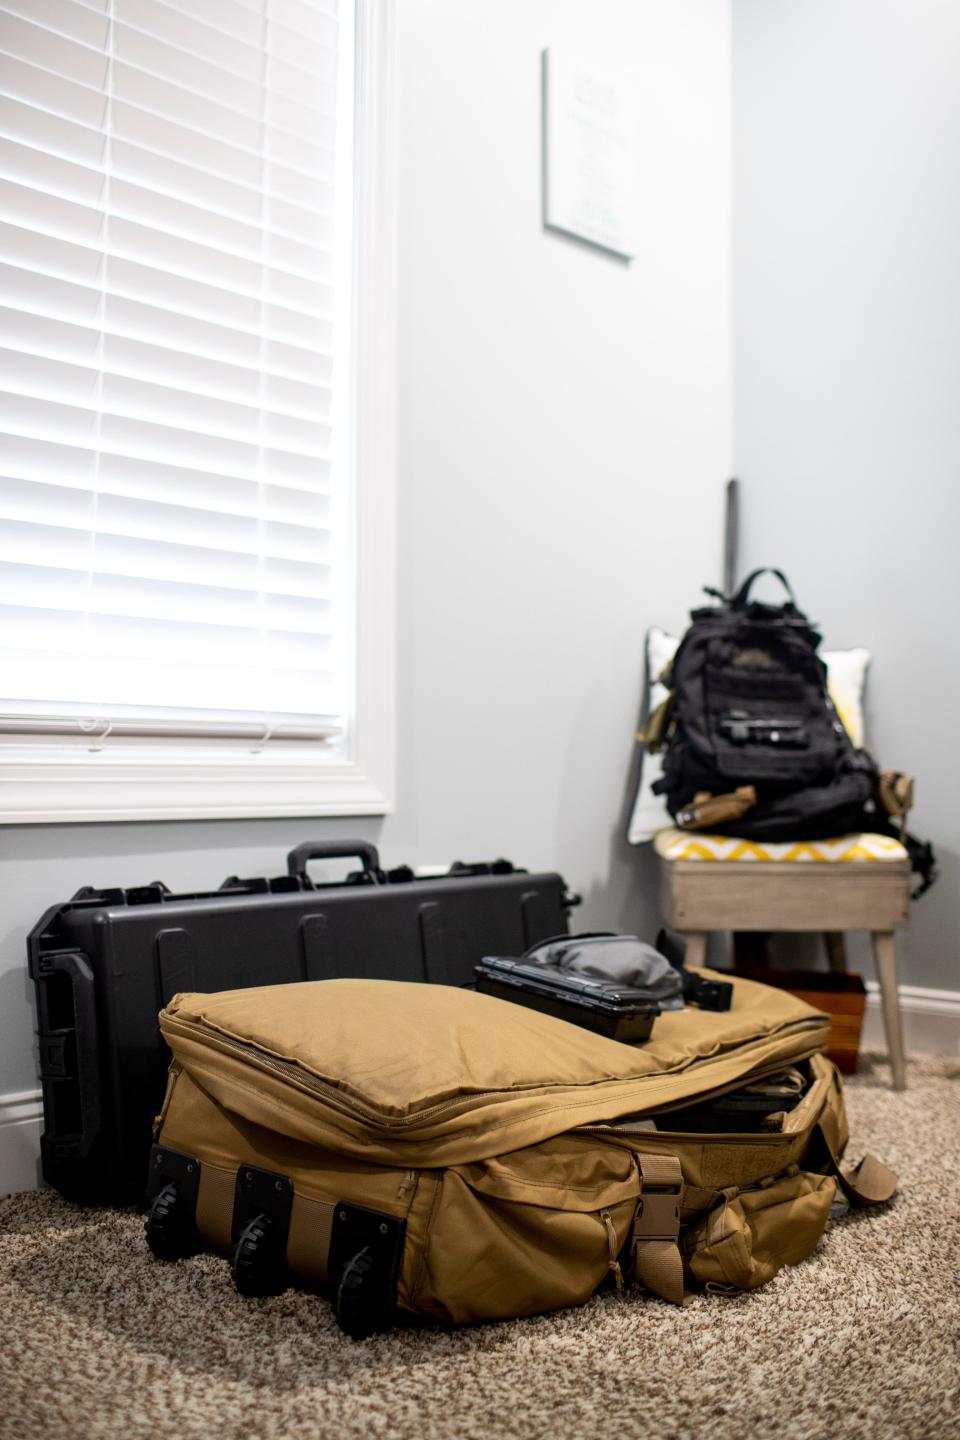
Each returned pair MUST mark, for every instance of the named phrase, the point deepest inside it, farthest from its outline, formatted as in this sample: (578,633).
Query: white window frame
(176,781)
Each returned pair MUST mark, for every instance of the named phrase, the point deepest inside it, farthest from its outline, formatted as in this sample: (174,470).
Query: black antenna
(731,537)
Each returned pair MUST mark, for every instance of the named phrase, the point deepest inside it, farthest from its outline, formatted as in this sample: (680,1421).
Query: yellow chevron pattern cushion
(691,845)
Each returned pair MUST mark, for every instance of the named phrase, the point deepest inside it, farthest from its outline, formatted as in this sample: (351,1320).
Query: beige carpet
(858,1343)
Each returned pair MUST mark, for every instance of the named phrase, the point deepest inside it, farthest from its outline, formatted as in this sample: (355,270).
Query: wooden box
(841,996)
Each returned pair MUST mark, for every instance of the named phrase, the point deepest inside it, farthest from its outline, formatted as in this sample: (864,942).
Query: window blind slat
(199,181)
(38,86)
(241,21)
(137,637)
(30,208)
(66,548)
(32,334)
(73,60)
(93,681)
(195,335)
(46,132)
(140,518)
(56,177)
(163,484)
(31,166)
(204,76)
(300,36)
(198,112)
(42,587)
(232,152)
(193,37)
(39,387)
(47,257)
(64,19)
(39,457)
(238,93)
(37,377)
(239,47)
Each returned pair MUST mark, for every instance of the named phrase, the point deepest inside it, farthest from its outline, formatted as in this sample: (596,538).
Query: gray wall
(564,437)
(847,367)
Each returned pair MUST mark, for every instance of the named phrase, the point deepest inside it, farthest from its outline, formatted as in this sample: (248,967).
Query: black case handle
(360,850)
(739,600)
(84,1030)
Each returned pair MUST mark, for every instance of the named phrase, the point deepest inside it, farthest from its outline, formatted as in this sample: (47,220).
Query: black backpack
(753,745)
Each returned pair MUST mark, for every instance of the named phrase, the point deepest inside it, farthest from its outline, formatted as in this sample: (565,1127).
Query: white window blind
(174,354)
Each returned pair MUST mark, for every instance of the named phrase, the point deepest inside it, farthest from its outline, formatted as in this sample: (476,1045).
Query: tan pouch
(749,1234)
(522,1233)
(706,810)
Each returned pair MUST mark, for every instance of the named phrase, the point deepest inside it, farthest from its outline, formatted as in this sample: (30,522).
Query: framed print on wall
(589,153)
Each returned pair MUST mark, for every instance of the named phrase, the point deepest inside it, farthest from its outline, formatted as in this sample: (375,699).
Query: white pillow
(846,677)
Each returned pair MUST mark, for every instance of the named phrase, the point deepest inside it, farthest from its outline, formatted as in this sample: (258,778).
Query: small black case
(618,1011)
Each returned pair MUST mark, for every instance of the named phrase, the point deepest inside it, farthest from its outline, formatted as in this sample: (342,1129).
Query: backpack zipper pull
(613,1263)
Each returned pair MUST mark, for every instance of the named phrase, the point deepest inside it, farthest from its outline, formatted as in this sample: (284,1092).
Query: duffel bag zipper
(336,1098)
(306,1080)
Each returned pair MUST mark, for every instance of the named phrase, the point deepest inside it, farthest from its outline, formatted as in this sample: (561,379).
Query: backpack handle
(739,600)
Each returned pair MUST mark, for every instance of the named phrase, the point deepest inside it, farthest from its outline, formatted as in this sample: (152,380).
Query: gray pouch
(623,958)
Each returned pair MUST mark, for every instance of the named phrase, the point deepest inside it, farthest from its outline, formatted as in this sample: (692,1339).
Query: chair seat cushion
(692,845)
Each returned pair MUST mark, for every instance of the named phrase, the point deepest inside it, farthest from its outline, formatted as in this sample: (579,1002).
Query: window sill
(106,786)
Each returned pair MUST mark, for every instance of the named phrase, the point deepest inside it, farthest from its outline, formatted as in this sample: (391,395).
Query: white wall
(847,365)
(564,438)
(564,428)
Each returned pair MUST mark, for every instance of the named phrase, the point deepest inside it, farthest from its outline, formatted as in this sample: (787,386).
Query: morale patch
(753,658)
(748,1162)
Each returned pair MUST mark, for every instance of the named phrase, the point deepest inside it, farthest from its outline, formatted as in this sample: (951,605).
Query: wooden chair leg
(836,951)
(885,960)
(696,947)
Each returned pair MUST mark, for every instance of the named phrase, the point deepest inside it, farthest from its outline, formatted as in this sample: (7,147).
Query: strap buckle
(658,1213)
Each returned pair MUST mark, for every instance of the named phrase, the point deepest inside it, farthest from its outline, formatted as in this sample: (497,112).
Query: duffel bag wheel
(169,1225)
(357,1305)
(255,1268)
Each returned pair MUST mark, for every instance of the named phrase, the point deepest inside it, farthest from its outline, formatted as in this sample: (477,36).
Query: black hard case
(607,1007)
(107,961)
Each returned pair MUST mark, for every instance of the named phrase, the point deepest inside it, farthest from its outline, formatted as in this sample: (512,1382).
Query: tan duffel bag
(424,1150)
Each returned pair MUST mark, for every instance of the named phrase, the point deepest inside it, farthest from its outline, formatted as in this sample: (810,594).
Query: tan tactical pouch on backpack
(429,1150)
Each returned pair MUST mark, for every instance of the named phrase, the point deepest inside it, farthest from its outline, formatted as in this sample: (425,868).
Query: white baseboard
(931,1020)
(931,1023)
(21,1120)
